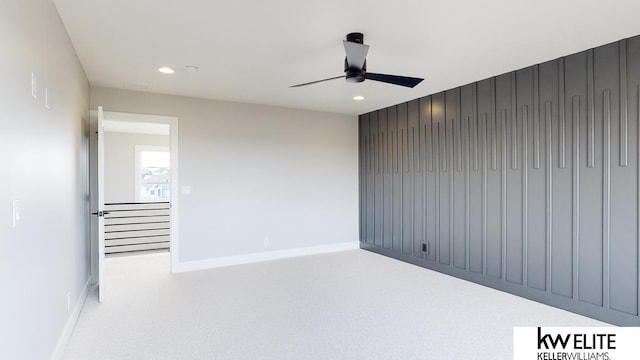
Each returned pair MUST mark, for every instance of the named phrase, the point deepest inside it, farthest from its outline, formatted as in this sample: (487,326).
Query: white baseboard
(64,338)
(263,256)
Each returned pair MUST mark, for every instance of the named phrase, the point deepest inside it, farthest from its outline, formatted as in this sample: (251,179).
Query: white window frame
(139,149)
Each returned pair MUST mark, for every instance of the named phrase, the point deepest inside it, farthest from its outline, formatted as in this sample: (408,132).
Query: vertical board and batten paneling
(369,158)
(623,244)
(431,192)
(524,101)
(450,116)
(590,212)
(476,198)
(406,169)
(606,97)
(377,126)
(362,175)
(467,113)
(387,178)
(484,99)
(514,189)
(548,90)
(504,119)
(562,225)
(396,179)
(458,183)
(417,200)
(527,182)
(536,222)
(444,175)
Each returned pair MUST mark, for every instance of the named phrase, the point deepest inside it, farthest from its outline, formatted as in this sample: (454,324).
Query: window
(153,173)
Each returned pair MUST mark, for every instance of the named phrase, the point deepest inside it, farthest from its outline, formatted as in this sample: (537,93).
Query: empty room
(319,180)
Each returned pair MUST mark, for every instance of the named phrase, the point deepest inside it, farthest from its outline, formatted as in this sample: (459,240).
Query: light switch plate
(34,86)
(16,213)
(186,190)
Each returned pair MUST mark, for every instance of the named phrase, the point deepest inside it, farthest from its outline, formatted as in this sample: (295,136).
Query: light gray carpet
(346,305)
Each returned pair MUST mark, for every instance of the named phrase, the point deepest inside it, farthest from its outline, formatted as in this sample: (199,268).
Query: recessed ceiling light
(358,97)
(166,70)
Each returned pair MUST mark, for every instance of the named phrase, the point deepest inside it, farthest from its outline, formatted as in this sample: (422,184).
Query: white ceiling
(251,51)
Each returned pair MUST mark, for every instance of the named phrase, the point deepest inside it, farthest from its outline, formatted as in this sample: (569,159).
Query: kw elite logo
(576,343)
(578,346)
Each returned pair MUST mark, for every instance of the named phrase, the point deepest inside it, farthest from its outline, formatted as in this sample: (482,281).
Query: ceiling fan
(355,66)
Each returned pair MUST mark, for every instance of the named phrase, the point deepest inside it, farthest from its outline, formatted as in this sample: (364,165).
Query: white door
(100,204)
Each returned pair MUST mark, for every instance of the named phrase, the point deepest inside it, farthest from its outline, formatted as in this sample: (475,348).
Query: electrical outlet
(266,241)
(68,300)
(425,247)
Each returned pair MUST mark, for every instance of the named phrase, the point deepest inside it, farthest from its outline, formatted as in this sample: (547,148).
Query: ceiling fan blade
(356,54)
(317,81)
(394,79)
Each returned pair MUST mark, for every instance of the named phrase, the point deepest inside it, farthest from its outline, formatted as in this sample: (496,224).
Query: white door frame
(100,212)
(172,121)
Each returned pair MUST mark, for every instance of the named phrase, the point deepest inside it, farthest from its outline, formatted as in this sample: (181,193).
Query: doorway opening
(136,186)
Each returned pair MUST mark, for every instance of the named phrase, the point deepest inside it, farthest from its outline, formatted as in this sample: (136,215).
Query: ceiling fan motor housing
(355,75)
(355,37)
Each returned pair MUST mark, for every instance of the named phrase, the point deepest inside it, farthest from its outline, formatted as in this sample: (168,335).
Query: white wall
(44,159)
(256,171)
(119,163)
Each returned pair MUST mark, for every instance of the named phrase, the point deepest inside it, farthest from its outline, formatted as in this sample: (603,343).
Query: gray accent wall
(526,182)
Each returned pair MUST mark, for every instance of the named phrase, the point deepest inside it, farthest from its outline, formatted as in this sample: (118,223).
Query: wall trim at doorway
(65,336)
(264,256)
